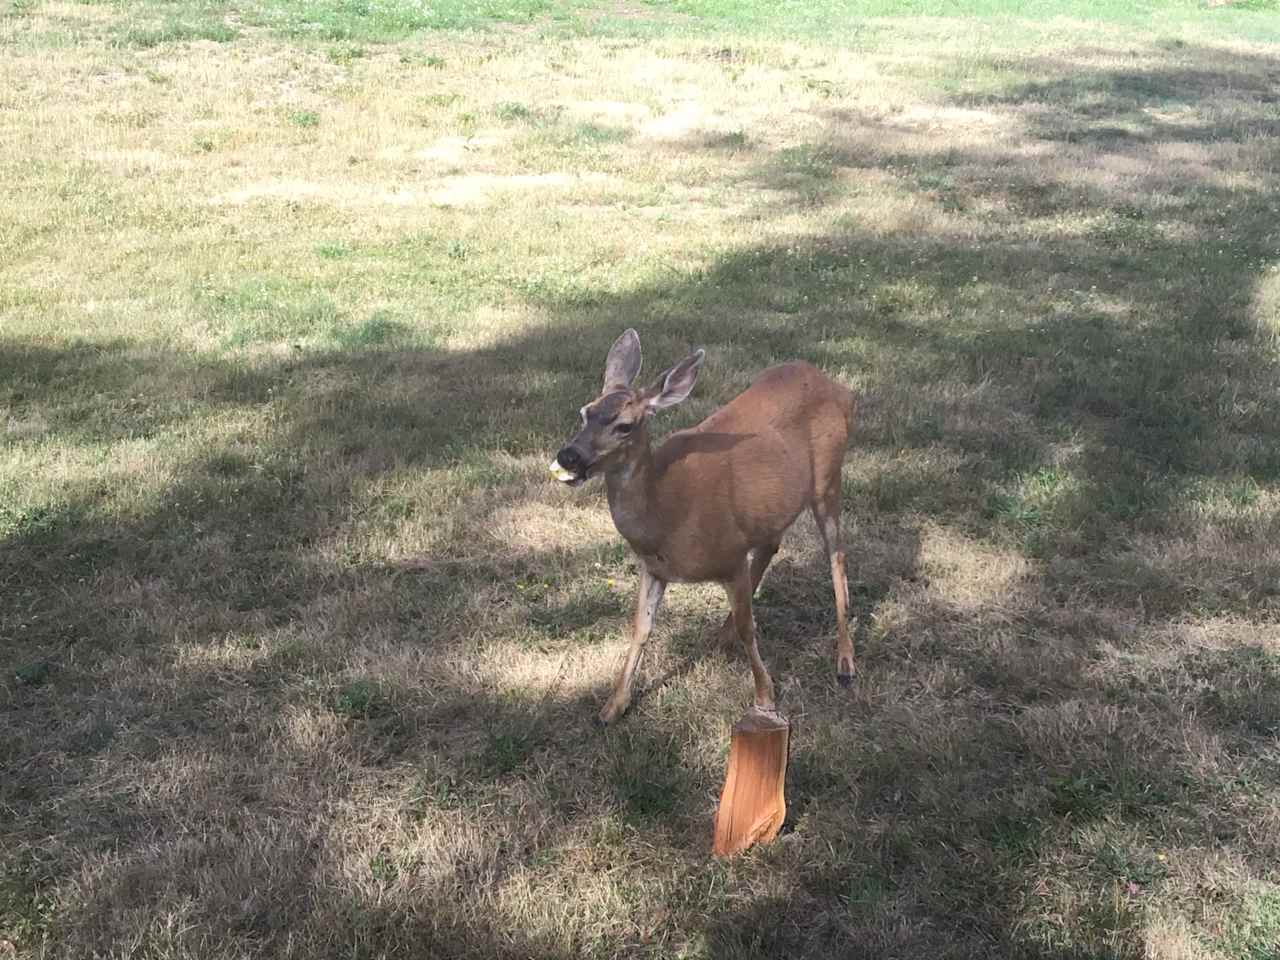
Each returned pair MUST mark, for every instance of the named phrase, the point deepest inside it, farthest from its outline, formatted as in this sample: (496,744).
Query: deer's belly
(672,569)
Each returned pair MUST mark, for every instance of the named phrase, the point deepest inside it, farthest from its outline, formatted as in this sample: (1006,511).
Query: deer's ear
(677,383)
(623,362)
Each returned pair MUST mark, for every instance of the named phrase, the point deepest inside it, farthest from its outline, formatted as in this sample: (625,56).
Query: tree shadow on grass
(1099,399)
(1106,433)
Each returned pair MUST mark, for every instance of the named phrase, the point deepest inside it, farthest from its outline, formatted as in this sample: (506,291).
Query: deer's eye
(623,428)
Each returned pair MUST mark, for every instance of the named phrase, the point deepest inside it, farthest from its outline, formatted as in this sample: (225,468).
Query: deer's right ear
(677,383)
(623,363)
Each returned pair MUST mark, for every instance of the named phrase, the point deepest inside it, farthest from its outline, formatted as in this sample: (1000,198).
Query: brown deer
(711,503)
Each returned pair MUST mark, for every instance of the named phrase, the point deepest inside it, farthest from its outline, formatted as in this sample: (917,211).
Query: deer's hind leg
(826,512)
(740,590)
(760,559)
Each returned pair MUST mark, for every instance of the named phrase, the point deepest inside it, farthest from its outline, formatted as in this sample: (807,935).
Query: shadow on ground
(983,763)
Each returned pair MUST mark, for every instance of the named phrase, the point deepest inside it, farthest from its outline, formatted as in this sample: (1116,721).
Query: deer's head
(613,423)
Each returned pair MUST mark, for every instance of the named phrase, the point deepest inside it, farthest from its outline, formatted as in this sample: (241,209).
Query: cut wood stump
(752,805)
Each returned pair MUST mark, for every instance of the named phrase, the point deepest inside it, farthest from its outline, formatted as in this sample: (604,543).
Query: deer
(712,502)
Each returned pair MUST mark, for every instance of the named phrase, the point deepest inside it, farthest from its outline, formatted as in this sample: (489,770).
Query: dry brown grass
(302,649)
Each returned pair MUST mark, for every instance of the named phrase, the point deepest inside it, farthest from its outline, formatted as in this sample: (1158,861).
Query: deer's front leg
(648,599)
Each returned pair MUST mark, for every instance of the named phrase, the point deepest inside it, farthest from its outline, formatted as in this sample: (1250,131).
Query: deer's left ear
(623,363)
(676,384)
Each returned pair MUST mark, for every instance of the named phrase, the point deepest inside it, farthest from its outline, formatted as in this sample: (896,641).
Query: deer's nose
(570,459)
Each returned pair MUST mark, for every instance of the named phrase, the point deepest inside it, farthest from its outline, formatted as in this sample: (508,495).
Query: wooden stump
(752,805)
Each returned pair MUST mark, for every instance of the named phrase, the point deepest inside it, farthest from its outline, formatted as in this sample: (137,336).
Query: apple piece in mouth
(563,475)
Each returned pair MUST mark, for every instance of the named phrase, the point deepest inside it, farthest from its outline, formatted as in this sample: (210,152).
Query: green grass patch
(268,310)
(646,779)
(1253,929)
(333,251)
(382,21)
(33,674)
(304,118)
(377,330)
(858,23)
(147,36)
(505,752)
(360,699)
(344,53)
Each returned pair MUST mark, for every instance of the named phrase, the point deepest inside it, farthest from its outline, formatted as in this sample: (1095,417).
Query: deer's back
(740,478)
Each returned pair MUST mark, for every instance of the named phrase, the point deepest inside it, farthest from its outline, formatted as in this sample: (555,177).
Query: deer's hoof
(609,715)
(844,673)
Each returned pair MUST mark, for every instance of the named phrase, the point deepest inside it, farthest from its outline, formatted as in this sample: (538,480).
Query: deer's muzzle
(570,466)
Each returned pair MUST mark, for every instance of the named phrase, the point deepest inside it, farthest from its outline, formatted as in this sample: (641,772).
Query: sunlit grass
(302,647)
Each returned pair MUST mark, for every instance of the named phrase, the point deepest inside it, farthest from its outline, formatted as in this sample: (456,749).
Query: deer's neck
(632,498)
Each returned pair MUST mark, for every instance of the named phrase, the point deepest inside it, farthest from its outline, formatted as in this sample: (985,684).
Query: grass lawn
(302,648)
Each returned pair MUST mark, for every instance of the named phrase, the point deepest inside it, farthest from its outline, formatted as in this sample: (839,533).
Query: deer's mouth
(567,476)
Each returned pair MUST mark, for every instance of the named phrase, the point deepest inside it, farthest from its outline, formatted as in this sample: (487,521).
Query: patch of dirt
(617,110)
(457,150)
(133,159)
(679,123)
(477,188)
(341,194)
(933,115)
